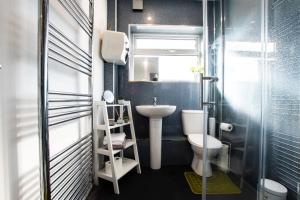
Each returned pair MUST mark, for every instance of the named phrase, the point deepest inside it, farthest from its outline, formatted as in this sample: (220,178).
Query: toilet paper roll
(212,126)
(118,165)
(226,127)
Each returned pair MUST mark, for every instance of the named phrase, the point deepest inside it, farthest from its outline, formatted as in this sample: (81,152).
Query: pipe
(201,91)
(116,28)
(43,100)
(205,44)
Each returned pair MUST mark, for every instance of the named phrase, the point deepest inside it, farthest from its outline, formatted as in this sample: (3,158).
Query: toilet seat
(197,140)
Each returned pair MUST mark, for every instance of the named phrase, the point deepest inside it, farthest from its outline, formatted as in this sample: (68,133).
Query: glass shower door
(234,56)
(253,48)
(281,106)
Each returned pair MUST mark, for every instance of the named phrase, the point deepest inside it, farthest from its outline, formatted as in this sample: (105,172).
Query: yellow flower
(197,69)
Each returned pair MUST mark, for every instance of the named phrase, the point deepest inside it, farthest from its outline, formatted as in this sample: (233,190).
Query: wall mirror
(165,53)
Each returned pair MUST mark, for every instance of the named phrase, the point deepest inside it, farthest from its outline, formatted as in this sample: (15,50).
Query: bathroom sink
(155,114)
(157,111)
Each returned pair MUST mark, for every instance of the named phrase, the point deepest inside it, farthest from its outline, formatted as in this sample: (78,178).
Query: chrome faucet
(154,101)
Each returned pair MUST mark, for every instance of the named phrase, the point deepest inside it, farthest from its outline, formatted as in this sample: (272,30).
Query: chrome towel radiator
(66,173)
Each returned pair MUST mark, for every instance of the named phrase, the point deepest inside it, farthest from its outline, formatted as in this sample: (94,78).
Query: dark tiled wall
(175,147)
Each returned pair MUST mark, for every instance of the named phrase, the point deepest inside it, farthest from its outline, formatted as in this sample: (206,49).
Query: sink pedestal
(155,114)
(155,130)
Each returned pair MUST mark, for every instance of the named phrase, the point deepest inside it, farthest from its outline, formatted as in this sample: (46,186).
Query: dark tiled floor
(167,183)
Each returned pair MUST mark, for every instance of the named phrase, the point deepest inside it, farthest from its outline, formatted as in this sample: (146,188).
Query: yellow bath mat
(218,184)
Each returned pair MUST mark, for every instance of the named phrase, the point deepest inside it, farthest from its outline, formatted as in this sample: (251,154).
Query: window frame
(162,52)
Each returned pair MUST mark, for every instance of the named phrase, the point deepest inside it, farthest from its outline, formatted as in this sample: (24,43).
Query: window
(165,54)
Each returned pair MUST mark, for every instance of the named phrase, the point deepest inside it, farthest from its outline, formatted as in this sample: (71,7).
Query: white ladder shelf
(127,164)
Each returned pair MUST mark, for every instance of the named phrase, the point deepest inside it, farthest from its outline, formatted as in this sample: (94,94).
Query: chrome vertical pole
(264,102)
(43,99)
(201,90)
(205,110)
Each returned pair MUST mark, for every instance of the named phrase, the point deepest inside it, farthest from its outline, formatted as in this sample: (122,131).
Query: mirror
(165,53)
(108,96)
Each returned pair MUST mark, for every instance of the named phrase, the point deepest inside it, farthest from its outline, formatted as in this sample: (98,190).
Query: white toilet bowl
(193,128)
(213,147)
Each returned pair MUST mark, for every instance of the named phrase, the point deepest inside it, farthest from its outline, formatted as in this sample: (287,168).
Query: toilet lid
(197,140)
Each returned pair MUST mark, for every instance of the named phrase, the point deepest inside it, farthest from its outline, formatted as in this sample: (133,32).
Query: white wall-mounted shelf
(113,175)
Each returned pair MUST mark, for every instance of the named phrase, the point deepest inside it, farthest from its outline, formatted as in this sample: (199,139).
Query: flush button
(0,66)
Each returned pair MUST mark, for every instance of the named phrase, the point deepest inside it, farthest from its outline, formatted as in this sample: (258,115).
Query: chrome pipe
(79,22)
(88,185)
(67,65)
(201,90)
(84,154)
(69,165)
(210,78)
(83,145)
(71,106)
(60,33)
(72,173)
(81,12)
(72,177)
(68,113)
(69,100)
(89,64)
(89,189)
(84,187)
(205,109)
(74,188)
(43,100)
(67,169)
(69,94)
(70,119)
(71,169)
(78,14)
(70,60)
(83,53)
(81,141)
(82,149)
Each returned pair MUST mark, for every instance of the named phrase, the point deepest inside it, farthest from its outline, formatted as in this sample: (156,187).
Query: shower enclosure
(252,47)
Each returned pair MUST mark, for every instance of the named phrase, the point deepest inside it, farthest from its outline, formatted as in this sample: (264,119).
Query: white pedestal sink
(155,113)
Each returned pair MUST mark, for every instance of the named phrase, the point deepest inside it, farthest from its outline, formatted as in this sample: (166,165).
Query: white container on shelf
(273,190)
(118,165)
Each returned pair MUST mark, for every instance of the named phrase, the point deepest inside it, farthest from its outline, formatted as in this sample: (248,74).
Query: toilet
(192,121)
(273,190)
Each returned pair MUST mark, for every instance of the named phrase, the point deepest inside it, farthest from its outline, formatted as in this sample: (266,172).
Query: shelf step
(103,127)
(127,165)
(103,151)
(116,105)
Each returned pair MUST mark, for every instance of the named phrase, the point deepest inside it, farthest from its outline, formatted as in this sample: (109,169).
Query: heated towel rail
(67,174)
